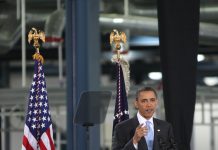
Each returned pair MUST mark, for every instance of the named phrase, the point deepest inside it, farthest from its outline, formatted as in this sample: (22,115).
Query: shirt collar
(142,120)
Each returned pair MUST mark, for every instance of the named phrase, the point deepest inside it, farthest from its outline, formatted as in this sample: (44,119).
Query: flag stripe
(51,133)
(42,145)
(47,140)
(50,138)
(26,144)
(31,141)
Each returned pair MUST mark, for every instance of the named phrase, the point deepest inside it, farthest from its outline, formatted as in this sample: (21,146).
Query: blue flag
(121,111)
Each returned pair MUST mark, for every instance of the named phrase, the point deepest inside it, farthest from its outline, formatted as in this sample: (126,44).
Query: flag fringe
(126,72)
(38,57)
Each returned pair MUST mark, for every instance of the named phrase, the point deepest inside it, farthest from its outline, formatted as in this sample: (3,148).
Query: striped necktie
(150,136)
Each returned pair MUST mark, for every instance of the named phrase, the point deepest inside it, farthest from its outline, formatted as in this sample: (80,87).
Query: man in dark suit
(144,132)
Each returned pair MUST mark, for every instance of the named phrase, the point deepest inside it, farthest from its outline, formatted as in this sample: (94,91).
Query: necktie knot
(148,124)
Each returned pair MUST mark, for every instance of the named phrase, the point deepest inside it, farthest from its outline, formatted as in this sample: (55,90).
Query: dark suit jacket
(124,132)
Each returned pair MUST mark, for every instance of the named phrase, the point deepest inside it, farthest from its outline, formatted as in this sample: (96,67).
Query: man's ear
(136,104)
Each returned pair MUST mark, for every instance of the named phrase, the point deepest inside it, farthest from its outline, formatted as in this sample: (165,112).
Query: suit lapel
(156,133)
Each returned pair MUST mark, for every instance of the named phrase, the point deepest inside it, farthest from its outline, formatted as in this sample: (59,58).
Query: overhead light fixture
(144,41)
(155,75)
(201,57)
(118,20)
(210,81)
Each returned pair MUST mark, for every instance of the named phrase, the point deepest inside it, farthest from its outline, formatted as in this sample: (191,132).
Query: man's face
(146,103)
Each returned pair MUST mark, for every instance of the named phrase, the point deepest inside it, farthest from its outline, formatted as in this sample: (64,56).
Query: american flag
(121,111)
(38,132)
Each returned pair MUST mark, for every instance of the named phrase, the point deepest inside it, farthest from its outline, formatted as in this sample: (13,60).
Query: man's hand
(140,132)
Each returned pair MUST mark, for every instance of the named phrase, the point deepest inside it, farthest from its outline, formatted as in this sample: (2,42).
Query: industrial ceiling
(137,17)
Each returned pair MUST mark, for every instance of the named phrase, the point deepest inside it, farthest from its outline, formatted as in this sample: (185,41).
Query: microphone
(162,144)
(172,144)
(167,145)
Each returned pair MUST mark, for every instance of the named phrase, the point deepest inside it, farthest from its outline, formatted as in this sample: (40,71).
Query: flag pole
(38,130)
(118,41)
(33,38)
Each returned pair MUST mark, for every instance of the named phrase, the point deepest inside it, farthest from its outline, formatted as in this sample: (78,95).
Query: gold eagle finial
(117,38)
(35,36)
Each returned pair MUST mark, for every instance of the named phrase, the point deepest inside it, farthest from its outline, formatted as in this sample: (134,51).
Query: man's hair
(145,89)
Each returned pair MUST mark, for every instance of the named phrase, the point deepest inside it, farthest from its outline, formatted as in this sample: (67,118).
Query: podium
(92,109)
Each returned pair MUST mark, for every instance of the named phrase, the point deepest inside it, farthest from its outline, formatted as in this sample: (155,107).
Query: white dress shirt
(142,120)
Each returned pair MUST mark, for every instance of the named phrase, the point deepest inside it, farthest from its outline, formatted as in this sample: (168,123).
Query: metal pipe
(3,134)
(58,139)
(212,125)
(58,4)
(126,7)
(60,64)
(202,109)
(18,10)
(23,35)
(212,134)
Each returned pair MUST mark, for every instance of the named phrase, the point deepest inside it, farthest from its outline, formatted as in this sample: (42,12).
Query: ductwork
(145,24)
(54,27)
(208,32)
(10,28)
(10,33)
(207,13)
